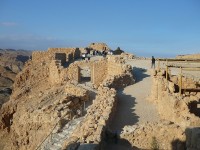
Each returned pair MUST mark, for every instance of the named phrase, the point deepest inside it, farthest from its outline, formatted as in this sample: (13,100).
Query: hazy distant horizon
(145,27)
(139,53)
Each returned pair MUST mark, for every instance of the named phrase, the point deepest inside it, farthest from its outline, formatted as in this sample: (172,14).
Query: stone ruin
(48,94)
(182,109)
(99,46)
(51,92)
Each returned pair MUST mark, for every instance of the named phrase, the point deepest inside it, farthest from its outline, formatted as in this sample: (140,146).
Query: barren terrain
(11,63)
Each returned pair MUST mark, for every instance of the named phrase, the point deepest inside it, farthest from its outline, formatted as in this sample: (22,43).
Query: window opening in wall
(61,57)
(85,74)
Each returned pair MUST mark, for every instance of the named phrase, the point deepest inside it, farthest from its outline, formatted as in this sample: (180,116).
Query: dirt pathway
(133,106)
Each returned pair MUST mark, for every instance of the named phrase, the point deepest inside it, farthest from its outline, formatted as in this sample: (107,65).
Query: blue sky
(144,27)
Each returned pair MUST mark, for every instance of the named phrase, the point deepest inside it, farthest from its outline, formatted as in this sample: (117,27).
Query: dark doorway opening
(194,107)
(61,57)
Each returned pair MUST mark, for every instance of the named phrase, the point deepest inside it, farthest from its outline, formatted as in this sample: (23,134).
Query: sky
(160,28)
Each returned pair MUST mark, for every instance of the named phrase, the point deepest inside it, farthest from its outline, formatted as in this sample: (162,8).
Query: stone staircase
(56,139)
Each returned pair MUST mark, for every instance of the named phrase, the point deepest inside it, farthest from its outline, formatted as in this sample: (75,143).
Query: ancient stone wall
(39,112)
(127,56)
(115,65)
(57,74)
(119,74)
(72,53)
(39,56)
(43,90)
(155,135)
(60,50)
(73,73)
(99,72)
(98,116)
(56,54)
(171,105)
(99,46)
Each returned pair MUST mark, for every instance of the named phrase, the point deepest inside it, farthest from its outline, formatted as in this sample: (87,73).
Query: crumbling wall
(98,116)
(57,74)
(119,74)
(40,91)
(56,54)
(115,65)
(99,46)
(39,112)
(31,74)
(171,105)
(39,56)
(161,135)
(72,53)
(73,73)
(98,72)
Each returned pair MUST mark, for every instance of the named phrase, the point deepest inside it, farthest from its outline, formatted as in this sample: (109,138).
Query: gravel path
(133,106)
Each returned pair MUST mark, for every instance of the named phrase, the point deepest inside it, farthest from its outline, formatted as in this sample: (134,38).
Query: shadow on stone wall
(178,145)
(124,114)
(192,140)
(112,141)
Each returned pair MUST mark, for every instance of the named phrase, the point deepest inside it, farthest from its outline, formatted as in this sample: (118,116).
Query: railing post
(158,64)
(167,72)
(180,81)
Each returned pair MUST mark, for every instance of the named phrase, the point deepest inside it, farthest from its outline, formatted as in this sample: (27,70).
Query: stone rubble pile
(164,133)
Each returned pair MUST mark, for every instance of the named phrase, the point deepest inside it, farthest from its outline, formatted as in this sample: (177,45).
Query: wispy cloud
(8,24)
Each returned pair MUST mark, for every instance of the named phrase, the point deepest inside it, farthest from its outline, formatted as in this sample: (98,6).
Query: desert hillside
(11,63)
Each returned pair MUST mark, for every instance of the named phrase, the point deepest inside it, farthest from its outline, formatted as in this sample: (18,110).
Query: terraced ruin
(115,102)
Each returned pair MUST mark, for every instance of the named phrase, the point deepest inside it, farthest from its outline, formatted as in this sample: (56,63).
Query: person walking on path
(153,62)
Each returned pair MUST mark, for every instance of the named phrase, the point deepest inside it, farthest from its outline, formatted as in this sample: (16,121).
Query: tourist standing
(153,60)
